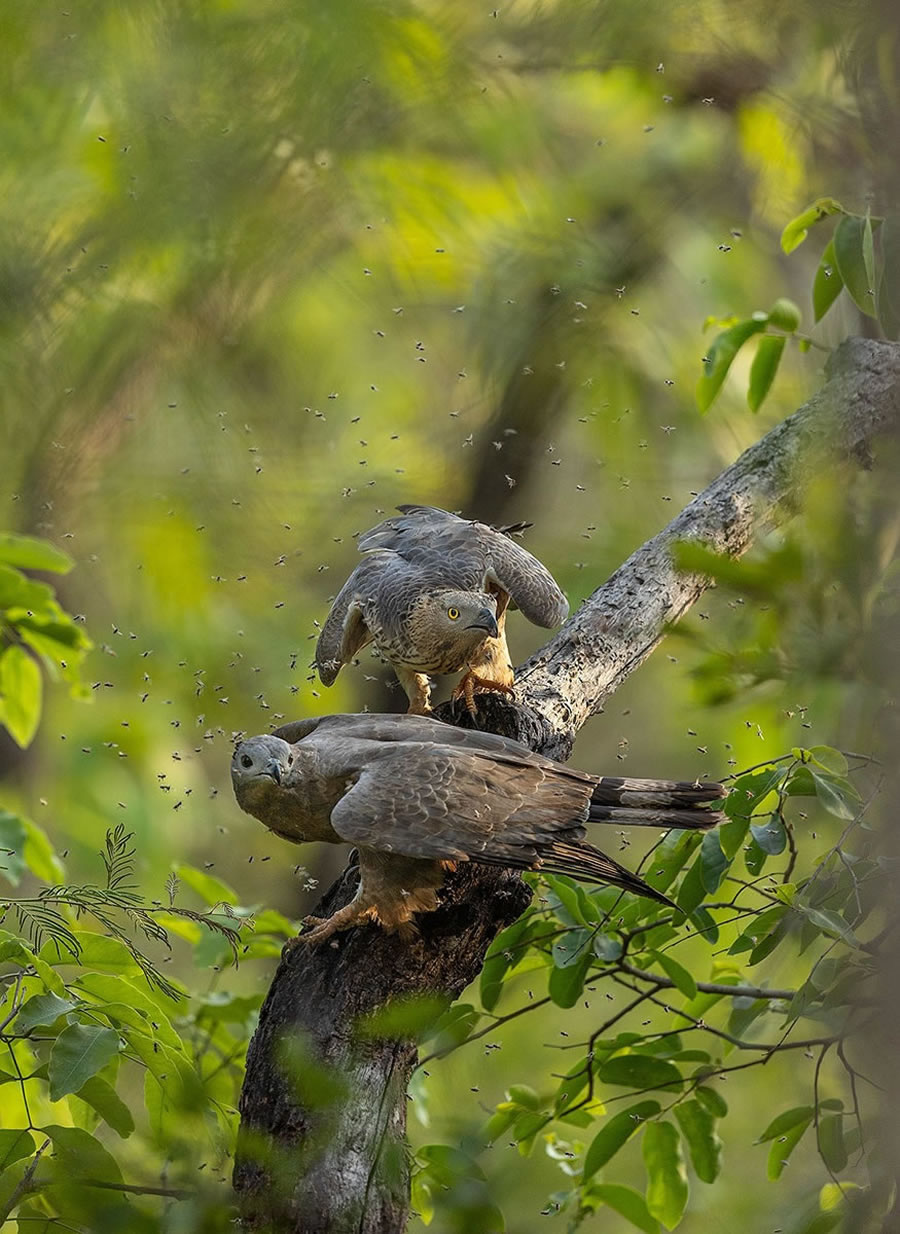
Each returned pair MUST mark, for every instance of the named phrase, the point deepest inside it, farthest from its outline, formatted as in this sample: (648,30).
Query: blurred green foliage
(266,271)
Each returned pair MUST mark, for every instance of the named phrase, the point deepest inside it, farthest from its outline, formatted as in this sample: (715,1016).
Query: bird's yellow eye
(453,613)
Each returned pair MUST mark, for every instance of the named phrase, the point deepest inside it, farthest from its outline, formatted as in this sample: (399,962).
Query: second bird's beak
(273,768)
(485,620)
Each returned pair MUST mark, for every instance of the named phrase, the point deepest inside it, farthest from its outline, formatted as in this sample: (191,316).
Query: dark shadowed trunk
(322,1145)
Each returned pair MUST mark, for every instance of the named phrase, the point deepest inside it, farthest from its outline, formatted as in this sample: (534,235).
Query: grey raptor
(416,796)
(431,594)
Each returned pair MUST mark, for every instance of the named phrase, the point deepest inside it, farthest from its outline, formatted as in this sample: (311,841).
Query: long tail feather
(656,803)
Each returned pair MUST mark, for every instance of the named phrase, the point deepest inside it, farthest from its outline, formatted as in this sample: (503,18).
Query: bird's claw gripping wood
(471,683)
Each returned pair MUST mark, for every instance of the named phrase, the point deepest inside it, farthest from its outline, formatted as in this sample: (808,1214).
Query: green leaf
(78,1053)
(670,856)
(829,759)
(42,1009)
(629,1204)
(15,1144)
(677,973)
(33,554)
(836,794)
(403,1017)
(748,794)
(798,228)
(607,947)
(667,1185)
(95,951)
(210,889)
(827,284)
(889,286)
(699,1130)
(713,862)
(831,1142)
(102,1097)
(692,890)
(14,950)
(81,1155)
(759,928)
(787,1120)
(783,1146)
(763,369)
(504,953)
(848,253)
(565,901)
(771,836)
(18,593)
(640,1071)
(616,1132)
(831,923)
(712,1100)
(20,694)
(565,984)
(868,251)
(111,989)
(570,947)
(12,846)
(785,315)
(39,856)
(722,352)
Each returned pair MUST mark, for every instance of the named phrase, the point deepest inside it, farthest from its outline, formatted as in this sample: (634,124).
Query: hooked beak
(485,620)
(273,769)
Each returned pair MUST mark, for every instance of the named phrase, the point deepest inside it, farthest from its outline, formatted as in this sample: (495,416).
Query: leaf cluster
(862,257)
(35,631)
(649,1072)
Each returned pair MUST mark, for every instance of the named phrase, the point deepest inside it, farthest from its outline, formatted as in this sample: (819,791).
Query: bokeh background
(269,269)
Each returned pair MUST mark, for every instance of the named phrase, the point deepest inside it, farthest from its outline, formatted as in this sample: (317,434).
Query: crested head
(446,625)
(260,763)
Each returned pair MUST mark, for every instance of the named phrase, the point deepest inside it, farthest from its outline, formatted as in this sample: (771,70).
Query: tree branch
(322,1145)
(709,987)
(615,630)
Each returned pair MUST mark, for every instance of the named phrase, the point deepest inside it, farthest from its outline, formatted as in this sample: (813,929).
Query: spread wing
(345,631)
(448,805)
(471,556)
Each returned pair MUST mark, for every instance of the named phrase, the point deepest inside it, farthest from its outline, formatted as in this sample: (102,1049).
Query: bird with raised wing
(431,594)
(416,796)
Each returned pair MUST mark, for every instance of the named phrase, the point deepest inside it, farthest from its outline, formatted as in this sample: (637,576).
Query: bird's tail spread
(656,803)
(587,864)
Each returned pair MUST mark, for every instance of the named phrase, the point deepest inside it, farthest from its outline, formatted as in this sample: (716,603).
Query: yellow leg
(418,691)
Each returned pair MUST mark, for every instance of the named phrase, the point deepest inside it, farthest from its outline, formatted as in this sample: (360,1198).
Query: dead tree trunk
(322,1145)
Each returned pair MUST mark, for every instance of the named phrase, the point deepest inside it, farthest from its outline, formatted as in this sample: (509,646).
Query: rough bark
(324,1106)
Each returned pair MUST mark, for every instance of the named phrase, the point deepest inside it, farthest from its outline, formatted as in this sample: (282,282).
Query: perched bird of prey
(417,796)
(431,594)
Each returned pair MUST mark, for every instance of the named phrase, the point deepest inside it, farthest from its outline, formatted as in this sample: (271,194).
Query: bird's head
(259,764)
(462,618)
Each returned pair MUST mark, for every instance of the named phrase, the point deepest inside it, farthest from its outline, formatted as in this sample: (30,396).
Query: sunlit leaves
(785,1131)
(79,1053)
(629,1204)
(720,355)
(42,1009)
(616,1132)
(37,631)
(796,231)
(640,1071)
(849,254)
(20,694)
(698,1126)
(763,369)
(667,1185)
(680,977)
(827,283)
(100,1095)
(784,316)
